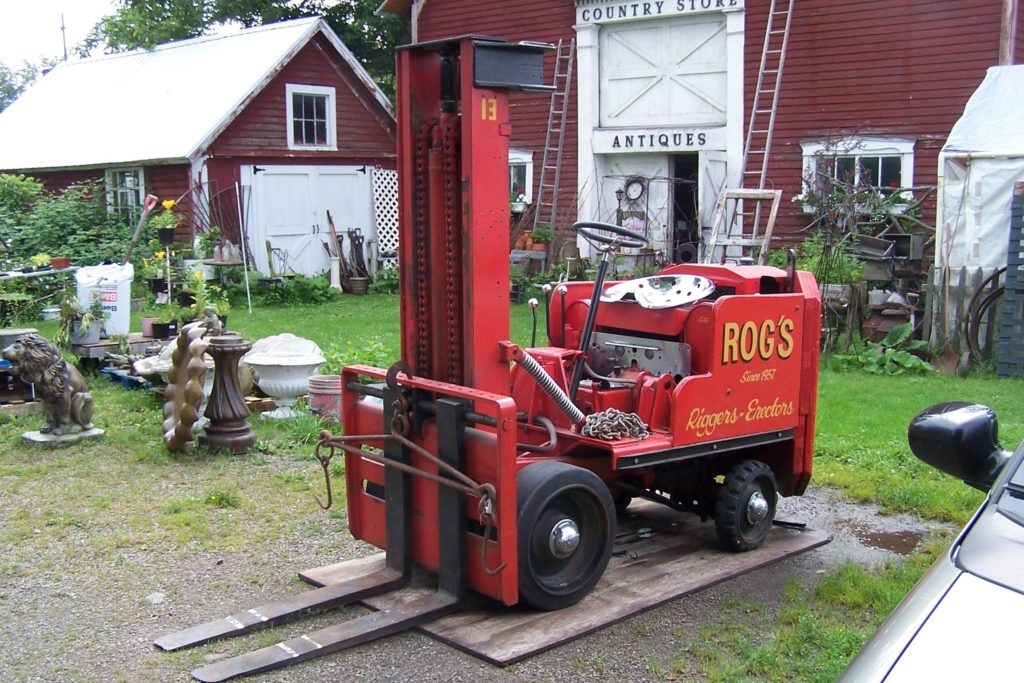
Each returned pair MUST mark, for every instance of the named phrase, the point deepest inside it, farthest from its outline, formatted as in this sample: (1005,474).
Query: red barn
(662,95)
(278,123)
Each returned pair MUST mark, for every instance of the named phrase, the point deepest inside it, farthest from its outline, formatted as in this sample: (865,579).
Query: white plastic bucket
(112,285)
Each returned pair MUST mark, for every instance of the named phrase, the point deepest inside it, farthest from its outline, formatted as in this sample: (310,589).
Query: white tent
(981,160)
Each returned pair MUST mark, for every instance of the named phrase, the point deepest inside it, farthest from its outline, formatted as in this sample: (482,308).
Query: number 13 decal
(489,108)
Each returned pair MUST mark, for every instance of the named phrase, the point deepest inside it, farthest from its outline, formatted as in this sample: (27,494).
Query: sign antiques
(598,11)
(615,140)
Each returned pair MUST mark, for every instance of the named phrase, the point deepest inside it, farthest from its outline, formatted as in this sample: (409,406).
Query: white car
(959,621)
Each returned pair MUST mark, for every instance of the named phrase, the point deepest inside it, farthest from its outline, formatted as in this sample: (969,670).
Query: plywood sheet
(659,555)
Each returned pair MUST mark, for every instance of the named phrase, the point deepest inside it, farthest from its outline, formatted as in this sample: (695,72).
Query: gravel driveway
(77,613)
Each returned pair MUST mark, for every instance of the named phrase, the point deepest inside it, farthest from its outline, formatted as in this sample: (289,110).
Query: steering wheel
(624,237)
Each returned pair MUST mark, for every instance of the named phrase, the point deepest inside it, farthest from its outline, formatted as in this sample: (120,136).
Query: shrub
(72,223)
(828,258)
(296,290)
(894,355)
(386,282)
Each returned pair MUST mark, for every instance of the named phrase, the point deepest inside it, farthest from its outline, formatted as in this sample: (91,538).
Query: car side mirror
(961,439)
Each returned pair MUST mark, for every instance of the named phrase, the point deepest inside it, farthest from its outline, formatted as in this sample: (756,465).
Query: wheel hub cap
(564,539)
(757,507)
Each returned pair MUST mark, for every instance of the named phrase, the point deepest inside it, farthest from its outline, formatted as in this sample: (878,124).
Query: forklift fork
(452,572)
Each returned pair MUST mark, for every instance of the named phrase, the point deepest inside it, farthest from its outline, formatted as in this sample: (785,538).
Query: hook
(325,462)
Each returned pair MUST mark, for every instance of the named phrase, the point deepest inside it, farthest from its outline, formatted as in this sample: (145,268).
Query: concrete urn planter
(282,365)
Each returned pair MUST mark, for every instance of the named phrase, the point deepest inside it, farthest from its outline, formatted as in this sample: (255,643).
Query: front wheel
(746,506)
(566,532)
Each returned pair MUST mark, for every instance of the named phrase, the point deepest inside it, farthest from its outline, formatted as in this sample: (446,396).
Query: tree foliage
(14,80)
(147,23)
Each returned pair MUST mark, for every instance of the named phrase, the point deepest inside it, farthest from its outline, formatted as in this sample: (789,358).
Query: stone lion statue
(67,403)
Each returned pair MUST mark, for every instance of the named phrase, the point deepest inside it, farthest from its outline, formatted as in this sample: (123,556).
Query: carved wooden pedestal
(226,409)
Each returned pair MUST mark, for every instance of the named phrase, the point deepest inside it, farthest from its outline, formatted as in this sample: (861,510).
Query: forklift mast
(453,129)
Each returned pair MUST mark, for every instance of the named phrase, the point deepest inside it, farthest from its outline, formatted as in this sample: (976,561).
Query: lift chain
(452,247)
(421,250)
(614,424)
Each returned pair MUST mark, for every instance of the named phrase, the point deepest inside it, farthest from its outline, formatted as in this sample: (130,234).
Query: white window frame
(291,89)
(521,157)
(859,146)
(132,208)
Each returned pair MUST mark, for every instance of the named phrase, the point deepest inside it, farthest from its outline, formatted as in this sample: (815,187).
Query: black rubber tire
(622,502)
(735,530)
(550,492)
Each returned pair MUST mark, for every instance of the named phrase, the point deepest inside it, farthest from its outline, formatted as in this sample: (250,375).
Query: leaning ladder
(769,83)
(719,241)
(547,189)
(757,148)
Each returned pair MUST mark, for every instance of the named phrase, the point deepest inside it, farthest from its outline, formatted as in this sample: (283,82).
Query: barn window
(885,163)
(520,174)
(311,117)
(125,192)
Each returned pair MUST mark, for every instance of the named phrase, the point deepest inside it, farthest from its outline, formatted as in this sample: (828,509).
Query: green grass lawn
(132,493)
(861,438)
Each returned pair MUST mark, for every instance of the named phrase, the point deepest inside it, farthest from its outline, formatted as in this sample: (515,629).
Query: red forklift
(502,469)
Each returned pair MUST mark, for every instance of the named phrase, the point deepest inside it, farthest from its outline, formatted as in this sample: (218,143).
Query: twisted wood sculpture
(184,392)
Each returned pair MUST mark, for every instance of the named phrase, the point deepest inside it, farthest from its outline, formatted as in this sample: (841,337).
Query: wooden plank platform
(20,407)
(659,555)
(101,349)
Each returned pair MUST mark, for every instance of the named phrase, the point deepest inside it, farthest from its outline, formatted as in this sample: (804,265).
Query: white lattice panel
(385,206)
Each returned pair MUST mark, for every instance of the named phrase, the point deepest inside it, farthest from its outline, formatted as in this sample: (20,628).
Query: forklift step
(347,634)
(343,593)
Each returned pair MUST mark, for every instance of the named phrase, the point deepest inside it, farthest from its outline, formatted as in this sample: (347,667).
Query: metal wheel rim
(563,574)
(749,529)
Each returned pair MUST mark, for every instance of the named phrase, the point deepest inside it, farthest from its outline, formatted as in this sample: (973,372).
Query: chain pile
(614,424)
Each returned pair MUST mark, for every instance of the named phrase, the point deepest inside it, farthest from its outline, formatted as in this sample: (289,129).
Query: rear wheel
(566,532)
(746,506)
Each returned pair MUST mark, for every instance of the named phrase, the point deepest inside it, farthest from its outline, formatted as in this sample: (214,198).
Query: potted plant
(517,202)
(154,271)
(222,302)
(78,326)
(541,237)
(165,321)
(166,221)
(196,295)
(206,242)
(41,261)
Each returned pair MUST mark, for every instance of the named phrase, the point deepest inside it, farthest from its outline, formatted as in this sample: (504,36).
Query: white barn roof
(164,104)
(991,122)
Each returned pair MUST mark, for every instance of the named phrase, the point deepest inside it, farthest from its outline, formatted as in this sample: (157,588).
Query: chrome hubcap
(564,539)
(757,507)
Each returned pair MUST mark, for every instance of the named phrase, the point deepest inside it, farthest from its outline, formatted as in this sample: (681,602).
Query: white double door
(289,213)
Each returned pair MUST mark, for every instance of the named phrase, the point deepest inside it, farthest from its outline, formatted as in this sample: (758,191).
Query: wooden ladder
(769,83)
(551,166)
(757,148)
(720,241)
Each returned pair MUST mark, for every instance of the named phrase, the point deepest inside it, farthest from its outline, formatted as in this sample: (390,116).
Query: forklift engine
(502,468)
